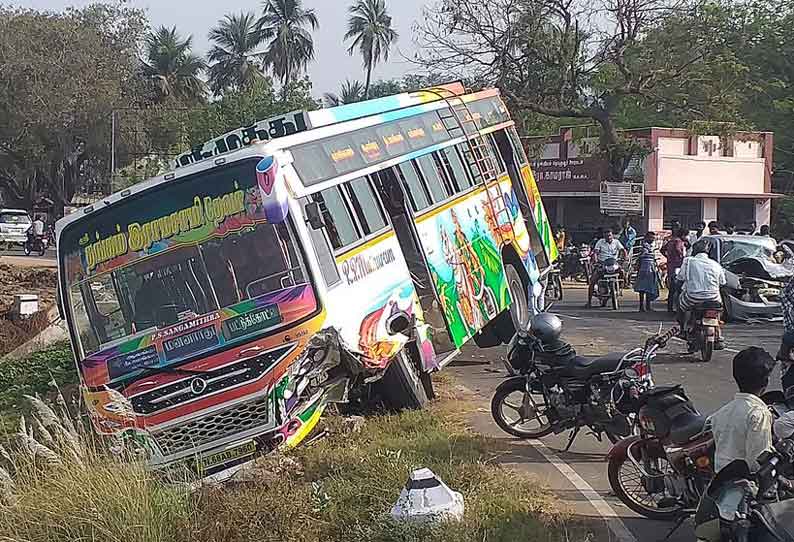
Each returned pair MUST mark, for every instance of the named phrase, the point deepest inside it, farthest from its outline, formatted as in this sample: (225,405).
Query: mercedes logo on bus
(198,386)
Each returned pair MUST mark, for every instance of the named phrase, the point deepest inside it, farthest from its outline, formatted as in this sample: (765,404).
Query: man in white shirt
(38,227)
(607,248)
(742,429)
(702,279)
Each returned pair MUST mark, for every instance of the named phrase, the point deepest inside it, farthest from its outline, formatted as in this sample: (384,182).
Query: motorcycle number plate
(711,322)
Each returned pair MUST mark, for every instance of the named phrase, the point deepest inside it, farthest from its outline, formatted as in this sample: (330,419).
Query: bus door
(525,201)
(396,204)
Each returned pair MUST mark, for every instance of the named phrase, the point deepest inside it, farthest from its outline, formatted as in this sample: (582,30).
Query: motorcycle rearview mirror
(398,323)
(314,215)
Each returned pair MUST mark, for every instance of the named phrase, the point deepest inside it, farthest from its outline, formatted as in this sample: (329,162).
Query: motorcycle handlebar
(661,340)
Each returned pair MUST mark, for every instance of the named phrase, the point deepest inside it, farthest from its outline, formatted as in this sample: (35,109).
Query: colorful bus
(215,311)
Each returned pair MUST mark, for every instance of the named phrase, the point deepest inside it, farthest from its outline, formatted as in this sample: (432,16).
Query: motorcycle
(585,263)
(554,283)
(704,329)
(740,506)
(551,390)
(35,243)
(610,285)
(662,472)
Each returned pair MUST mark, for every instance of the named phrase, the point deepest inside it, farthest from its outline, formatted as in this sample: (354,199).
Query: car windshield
(188,267)
(733,250)
(14,218)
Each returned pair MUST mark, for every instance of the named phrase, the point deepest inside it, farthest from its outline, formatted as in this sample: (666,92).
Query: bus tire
(519,306)
(403,386)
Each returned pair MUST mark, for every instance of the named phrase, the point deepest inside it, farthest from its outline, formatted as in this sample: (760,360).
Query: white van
(14,226)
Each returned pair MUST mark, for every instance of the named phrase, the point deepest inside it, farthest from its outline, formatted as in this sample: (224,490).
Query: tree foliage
(173,68)
(369,26)
(61,76)
(579,59)
(287,26)
(235,59)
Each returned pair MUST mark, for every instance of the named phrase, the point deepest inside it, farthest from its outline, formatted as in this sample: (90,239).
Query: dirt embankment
(17,280)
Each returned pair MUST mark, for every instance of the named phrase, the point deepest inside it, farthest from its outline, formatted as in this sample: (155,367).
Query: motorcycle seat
(581,367)
(708,305)
(685,427)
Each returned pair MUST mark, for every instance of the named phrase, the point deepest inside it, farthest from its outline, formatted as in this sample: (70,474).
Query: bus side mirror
(314,216)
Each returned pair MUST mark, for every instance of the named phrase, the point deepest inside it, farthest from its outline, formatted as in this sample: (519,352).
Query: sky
(332,65)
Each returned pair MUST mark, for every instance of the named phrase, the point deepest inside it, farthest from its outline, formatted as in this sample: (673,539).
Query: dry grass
(339,488)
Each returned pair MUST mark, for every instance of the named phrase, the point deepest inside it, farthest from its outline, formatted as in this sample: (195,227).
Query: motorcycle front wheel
(27,249)
(632,488)
(518,413)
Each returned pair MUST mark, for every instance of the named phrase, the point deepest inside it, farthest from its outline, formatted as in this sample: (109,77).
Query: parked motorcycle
(554,284)
(575,263)
(704,328)
(35,243)
(585,263)
(610,285)
(662,472)
(551,390)
(741,507)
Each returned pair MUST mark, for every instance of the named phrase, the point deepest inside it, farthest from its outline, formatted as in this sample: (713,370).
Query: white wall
(720,175)
(673,146)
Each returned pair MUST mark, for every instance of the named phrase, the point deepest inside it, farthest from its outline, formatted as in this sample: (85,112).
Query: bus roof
(323,123)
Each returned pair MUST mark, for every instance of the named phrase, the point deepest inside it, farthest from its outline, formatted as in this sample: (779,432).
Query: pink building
(687,177)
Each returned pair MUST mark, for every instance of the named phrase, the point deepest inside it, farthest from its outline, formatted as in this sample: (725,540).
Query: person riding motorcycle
(701,279)
(607,248)
(742,429)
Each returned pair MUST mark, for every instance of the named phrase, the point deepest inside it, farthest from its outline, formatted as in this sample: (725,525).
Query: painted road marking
(607,513)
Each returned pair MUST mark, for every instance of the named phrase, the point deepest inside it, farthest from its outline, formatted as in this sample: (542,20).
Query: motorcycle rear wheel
(706,351)
(508,399)
(626,481)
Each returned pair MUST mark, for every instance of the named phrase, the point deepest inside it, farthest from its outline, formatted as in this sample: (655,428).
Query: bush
(40,373)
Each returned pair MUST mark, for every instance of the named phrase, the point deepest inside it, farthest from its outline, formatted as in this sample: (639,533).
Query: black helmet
(546,327)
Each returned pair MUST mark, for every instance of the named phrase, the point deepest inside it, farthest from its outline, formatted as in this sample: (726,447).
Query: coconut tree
(286,25)
(369,26)
(173,68)
(235,61)
(351,92)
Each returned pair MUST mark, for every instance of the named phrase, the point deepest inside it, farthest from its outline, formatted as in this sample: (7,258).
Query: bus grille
(214,427)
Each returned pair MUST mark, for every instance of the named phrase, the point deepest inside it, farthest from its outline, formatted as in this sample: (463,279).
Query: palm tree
(174,69)
(351,92)
(369,25)
(235,62)
(290,47)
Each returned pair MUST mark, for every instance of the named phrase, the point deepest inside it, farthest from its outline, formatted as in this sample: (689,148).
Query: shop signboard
(568,174)
(619,198)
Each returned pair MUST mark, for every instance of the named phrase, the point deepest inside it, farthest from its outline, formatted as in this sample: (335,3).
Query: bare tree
(581,58)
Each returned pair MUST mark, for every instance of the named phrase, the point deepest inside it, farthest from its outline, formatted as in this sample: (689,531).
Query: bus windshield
(150,296)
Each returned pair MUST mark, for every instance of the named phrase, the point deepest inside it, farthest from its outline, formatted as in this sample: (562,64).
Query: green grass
(339,489)
(41,373)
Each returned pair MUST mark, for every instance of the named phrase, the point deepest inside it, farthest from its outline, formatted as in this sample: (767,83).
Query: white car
(14,226)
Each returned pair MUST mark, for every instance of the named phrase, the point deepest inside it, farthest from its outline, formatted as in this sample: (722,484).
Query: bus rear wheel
(404,386)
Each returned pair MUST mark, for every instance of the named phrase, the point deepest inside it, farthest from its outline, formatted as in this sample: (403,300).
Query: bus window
(341,228)
(325,257)
(454,166)
(518,149)
(417,192)
(432,174)
(501,169)
(366,205)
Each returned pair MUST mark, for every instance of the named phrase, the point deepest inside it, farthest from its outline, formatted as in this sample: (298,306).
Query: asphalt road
(593,332)
(16,256)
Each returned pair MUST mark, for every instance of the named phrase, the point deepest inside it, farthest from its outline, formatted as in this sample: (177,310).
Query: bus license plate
(226,456)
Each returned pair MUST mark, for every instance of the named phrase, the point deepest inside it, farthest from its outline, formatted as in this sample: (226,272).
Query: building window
(341,228)
(418,195)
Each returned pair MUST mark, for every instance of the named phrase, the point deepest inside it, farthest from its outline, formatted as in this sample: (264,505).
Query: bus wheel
(404,386)
(519,308)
